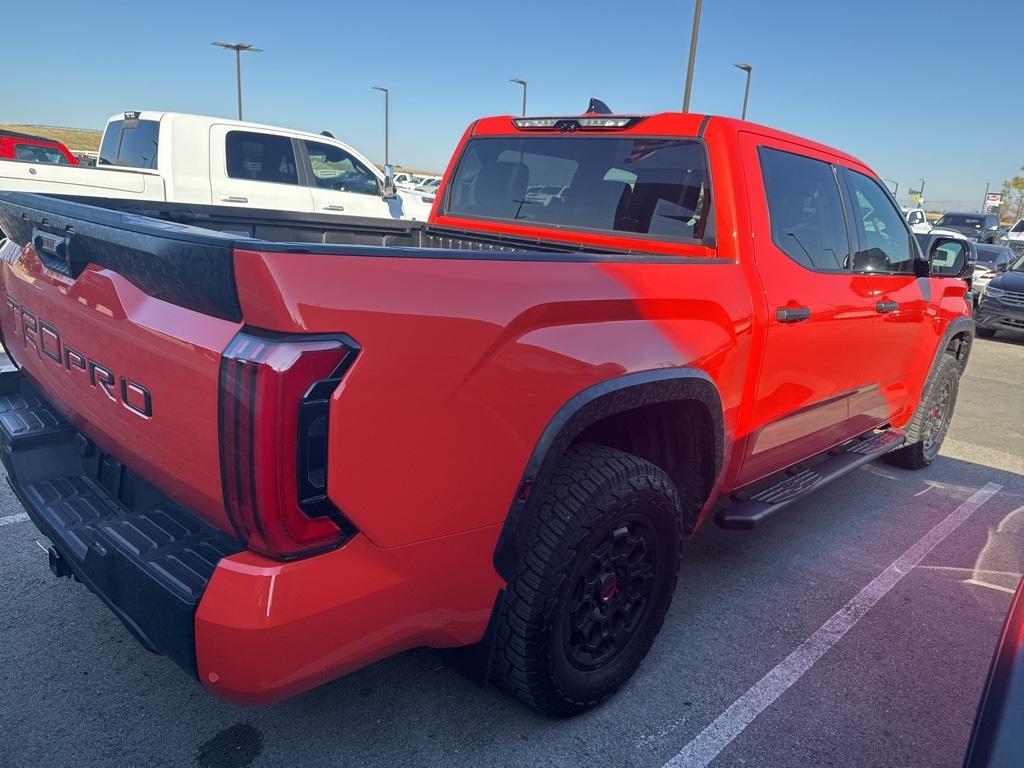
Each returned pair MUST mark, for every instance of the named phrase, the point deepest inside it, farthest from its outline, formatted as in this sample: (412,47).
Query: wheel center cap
(609,585)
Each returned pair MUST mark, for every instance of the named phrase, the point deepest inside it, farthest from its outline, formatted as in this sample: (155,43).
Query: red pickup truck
(279,453)
(33,149)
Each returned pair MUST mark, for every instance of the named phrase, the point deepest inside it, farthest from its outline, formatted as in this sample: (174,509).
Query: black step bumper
(145,556)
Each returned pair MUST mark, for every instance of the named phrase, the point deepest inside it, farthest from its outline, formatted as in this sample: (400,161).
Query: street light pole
(921,193)
(238,48)
(693,54)
(895,186)
(984,200)
(522,83)
(386,118)
(746,91)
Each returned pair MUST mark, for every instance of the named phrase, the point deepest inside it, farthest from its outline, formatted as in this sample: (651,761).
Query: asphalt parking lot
(856,629)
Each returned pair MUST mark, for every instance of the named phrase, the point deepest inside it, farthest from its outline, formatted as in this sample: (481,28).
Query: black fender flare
(606,398)
(957,326)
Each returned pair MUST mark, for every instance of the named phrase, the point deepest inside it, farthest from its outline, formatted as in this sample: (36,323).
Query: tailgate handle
(54,251)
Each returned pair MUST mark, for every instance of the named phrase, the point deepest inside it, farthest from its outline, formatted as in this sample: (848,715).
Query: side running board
(748,511)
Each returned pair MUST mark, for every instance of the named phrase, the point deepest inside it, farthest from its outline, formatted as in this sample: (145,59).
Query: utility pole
(522,83)
(238,48)
(693,55)
(746,91)
(984,200)
(387,118)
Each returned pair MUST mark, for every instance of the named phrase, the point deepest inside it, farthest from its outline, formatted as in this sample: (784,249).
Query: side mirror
(1000,268)
(950,258)
(388,189)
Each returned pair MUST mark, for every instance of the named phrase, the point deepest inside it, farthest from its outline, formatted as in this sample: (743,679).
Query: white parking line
(21,517)
(710,742)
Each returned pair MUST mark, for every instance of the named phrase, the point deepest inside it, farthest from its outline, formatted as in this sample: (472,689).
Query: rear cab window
(130,143)
(650,187)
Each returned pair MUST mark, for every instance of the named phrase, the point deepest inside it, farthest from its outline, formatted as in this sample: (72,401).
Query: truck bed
(314,229)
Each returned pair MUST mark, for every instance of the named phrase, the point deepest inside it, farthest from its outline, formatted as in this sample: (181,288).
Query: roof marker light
(603,122)
(535,122)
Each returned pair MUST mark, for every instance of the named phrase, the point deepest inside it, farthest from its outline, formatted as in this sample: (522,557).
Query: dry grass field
(72,138)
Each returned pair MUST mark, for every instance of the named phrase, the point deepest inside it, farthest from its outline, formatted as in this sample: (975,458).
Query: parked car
(1002,304)
(990,262)
(997,740)
(212,161)
(982,227)
(1014,238)
(917,219)
(492,430)
(34,149)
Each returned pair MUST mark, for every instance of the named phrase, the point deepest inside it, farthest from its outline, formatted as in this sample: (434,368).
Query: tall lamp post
(693,55)
(238,48)
(746,90)
(517,81)
(895,186)
(386,118)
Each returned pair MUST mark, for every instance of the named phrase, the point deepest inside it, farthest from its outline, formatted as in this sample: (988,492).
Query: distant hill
(72,138)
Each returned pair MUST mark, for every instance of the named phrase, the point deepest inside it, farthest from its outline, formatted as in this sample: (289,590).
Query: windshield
(649,186)
(989,254)
(960,220)
(1018,227)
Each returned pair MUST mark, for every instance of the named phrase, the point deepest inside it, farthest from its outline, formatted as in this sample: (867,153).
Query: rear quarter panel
(464,362)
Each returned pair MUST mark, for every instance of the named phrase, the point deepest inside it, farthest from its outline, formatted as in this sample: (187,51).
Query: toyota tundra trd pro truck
(278,461)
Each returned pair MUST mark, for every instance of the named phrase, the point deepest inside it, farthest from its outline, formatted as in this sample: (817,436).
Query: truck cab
(204,161)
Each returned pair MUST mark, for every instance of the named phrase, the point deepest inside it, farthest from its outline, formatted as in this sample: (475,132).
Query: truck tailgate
(122,331)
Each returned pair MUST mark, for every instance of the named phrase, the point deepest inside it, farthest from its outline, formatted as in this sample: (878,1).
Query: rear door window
(130,143)
(261,157)
(655,187)
(806,210)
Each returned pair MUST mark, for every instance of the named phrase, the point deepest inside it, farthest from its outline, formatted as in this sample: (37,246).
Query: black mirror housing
(950,257)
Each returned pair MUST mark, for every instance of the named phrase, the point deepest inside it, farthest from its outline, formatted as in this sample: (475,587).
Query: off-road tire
(598,501)
(925,433)
(985,333)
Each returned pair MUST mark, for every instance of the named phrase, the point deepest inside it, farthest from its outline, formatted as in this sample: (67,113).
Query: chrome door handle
(334,207)
(882,307)
(792,314)
(235,199)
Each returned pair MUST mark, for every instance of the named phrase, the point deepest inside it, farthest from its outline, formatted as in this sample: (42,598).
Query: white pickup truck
(179,158)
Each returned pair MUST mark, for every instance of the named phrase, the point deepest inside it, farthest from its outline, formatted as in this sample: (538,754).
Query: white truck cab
(917,220)
(184,158)
(1014,238)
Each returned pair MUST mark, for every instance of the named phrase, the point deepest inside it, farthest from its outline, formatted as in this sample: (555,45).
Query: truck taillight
(275,395)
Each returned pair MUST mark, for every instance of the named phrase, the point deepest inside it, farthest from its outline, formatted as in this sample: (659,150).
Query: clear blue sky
(915,89)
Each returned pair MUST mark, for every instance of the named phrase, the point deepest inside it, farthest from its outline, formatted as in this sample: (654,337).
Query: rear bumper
(148,559)
(253,630)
